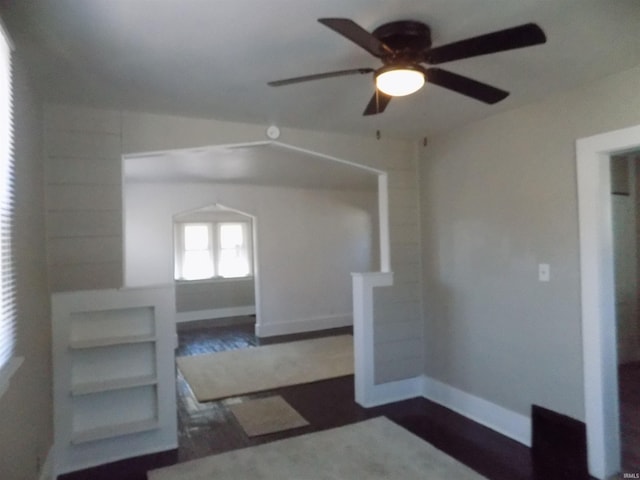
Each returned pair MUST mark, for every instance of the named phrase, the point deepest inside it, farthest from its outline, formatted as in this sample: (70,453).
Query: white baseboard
(95,462)
(215,313)
(46,469)
(306,325)
(495,417)
(392,392)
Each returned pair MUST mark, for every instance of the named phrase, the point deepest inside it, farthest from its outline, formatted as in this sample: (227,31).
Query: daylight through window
(208,250)
(7,287)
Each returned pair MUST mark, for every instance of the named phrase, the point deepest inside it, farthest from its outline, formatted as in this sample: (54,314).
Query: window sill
(7,372)
(213,280)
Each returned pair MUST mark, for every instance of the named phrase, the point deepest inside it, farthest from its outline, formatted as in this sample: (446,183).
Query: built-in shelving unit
(86,388)
(113,375)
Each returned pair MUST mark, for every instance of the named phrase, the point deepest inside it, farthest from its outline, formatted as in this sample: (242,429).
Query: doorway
(624,203)
(598,295)
(214,265)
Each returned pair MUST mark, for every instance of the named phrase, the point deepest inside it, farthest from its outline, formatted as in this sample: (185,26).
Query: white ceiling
(213,58)
(269,164)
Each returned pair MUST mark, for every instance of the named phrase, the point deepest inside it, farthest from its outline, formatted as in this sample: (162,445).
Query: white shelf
(110,341)
(87,388)
(115,430)
(114,375)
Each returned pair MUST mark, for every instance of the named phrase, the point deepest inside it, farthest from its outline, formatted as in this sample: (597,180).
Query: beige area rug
(375,449)
(267,415)
(239,372)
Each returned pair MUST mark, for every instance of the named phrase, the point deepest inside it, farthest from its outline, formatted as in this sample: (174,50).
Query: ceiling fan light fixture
(399,81)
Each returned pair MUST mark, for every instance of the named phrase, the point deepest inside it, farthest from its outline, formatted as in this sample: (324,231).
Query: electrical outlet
(544,272)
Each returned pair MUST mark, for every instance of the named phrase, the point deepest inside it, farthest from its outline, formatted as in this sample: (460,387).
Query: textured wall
(498,197)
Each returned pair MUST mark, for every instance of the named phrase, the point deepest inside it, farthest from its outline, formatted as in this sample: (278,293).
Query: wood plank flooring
(209,428)
(629,381)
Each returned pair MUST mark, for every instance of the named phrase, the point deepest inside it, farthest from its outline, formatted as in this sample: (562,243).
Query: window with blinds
(8,363)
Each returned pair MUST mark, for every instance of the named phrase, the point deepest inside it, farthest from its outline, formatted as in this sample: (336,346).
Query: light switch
(544,272)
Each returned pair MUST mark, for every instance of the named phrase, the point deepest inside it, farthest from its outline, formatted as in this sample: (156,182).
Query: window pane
(233,263)
(196,237)
(197,265)
(231,235)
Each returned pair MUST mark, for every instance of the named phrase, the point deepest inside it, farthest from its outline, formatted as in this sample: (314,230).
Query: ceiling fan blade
(509,39)
(377,104)
(466,86)
(319,76)
(358,35)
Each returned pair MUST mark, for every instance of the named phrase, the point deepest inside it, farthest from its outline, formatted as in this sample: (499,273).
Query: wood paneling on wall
(83,149)
(397,309)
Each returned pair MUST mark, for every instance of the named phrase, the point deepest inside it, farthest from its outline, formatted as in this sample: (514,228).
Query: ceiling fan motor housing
(407,38)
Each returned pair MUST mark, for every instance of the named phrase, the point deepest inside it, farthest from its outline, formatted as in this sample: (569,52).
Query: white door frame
(598,296)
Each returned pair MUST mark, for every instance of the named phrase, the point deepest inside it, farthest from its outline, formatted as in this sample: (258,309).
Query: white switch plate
(544,272)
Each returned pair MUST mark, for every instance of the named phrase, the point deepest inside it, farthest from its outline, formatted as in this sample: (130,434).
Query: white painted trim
(597,296)
(7,372)
(46,469)
(395,391)
(495,417)
(215,313)
(197,150)
(262,143)
(363,346)
(137,452)
(326,157)
(383,222)
(504,421)
(304,325)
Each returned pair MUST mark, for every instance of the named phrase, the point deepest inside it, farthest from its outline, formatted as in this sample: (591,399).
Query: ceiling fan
(403,47)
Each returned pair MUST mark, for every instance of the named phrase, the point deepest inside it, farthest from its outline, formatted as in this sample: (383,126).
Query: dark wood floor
(209,428)
(629,381)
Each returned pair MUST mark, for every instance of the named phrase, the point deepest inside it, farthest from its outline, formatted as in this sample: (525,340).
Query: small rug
(267,415)
(376,449)
(239,372)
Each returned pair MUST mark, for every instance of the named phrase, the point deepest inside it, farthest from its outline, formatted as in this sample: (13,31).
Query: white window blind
(7,281)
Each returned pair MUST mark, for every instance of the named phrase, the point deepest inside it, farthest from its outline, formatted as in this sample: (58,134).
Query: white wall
(215,298)
(498,197)
(26,418)
(307,244)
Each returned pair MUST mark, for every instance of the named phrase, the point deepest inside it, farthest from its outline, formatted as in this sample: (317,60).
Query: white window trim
(7,372)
